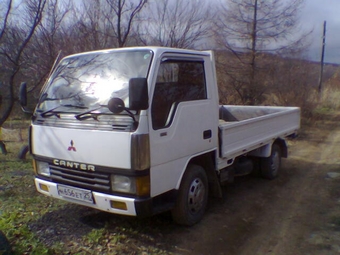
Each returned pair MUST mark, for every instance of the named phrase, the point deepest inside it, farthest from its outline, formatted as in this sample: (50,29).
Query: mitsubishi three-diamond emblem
(71,147)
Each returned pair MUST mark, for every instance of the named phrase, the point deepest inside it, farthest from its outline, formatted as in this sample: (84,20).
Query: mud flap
(23,151)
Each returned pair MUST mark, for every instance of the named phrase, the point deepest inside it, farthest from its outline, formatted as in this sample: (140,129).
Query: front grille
(82,179)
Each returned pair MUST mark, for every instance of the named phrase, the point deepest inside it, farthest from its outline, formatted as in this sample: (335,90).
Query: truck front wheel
(192,197)
(270,166)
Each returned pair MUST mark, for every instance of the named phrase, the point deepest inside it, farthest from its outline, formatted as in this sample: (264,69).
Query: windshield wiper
(53,112)
(94,115)
(91,114)
(115,105)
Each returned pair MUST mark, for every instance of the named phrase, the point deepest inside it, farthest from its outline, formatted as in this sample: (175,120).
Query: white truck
(139,131)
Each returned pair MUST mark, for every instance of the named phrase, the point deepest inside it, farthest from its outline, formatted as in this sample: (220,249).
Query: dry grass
(330,98)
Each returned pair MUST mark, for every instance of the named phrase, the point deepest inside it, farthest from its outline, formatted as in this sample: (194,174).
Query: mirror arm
(131,114)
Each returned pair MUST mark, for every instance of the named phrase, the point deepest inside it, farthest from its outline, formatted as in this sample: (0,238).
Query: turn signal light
(43,187)
(118,205)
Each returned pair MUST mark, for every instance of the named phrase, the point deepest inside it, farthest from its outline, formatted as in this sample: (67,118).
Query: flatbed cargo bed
(246,128)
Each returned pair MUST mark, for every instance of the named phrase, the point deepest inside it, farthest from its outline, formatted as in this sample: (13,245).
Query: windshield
(90,80)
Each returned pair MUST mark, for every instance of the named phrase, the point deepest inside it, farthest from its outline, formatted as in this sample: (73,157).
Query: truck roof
(158,50)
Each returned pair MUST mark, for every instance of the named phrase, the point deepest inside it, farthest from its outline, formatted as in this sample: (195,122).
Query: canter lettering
(73,165)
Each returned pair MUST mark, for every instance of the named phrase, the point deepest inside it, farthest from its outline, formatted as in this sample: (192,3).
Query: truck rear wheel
(270,166)
(192,197)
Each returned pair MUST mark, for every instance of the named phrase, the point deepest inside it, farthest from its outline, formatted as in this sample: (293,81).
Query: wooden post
(322,58)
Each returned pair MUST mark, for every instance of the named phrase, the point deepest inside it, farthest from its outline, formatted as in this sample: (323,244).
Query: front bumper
(101,201)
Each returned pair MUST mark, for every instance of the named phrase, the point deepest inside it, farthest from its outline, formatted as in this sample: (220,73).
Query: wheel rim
(275,164)
(196,195)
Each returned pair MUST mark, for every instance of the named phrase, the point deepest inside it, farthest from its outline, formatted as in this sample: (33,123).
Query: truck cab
(116,129)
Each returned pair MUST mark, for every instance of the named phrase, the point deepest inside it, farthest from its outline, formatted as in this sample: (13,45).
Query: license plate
(75,193)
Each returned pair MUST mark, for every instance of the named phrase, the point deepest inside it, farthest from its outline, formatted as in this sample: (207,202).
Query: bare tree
(48,40)
(90,30)
(107,23)
(250,30)
(5,11)
(16,35)
(126,12)
(182,24)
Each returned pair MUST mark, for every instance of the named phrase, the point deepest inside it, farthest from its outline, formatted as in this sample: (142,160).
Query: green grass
(19,203)
(32,221)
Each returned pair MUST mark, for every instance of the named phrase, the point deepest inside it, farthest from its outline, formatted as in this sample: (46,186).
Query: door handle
(207,134)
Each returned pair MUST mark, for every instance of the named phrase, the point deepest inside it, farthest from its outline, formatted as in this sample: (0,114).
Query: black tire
(192,197)
(270,167)
(5,247)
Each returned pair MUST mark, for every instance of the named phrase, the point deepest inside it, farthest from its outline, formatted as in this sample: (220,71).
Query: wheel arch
(208,162)
(265,150)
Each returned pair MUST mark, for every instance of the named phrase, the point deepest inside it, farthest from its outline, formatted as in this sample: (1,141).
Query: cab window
(177,81)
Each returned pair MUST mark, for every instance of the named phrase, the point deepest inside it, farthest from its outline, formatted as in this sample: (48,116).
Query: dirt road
(297,213)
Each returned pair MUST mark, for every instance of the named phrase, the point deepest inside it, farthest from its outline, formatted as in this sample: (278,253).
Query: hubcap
(196,195)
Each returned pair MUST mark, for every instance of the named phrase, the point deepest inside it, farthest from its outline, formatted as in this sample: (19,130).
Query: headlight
(139,186)
(42,168)
(122,183)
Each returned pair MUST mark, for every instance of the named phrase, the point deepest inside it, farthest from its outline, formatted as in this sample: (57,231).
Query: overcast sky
(315,12)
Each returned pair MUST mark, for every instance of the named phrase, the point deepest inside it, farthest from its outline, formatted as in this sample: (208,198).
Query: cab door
(184,118)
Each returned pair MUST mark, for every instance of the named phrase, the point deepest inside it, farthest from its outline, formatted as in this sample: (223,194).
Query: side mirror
(23,98)
(23,94)
(138,94)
